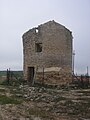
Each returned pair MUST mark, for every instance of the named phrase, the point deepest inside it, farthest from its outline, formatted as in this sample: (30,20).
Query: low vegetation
(8,100)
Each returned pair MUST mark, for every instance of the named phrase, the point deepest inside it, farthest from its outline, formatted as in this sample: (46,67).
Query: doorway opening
(31,75)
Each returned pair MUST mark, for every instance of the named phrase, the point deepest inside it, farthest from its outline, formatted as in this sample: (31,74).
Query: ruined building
(47,53)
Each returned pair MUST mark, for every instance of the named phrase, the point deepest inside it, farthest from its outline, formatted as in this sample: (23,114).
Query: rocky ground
(40,103)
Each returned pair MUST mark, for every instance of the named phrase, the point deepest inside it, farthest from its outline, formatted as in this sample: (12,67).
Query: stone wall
(56,41)
(54,77)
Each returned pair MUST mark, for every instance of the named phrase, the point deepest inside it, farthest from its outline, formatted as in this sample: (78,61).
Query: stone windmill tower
(47,51)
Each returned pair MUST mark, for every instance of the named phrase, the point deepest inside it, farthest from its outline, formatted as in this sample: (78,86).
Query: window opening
(37,30)
(38,47)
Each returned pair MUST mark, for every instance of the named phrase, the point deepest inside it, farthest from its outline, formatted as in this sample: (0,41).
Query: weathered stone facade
(48,46)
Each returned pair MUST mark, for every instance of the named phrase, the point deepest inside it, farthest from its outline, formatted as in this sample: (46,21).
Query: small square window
(38,47)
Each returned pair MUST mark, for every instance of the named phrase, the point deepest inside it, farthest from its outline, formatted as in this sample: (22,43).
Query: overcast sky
(18,16)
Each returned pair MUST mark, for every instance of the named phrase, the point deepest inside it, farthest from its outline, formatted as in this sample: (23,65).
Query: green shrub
(8,100)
